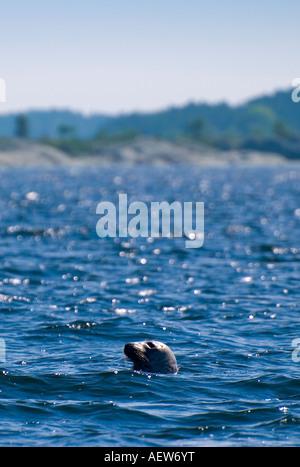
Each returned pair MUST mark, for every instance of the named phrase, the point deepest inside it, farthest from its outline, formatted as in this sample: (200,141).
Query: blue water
(229,310)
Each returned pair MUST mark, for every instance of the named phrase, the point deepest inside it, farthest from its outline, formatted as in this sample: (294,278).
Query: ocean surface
(70,300)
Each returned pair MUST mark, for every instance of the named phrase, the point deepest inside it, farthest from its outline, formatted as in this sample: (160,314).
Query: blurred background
(83,74)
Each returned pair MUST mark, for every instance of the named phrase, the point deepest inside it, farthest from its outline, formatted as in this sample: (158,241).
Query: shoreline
(147,151)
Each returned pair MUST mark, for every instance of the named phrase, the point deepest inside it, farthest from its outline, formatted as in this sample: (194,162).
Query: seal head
(151,357)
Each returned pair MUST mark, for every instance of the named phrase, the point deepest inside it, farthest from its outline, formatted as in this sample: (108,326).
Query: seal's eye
(151,345)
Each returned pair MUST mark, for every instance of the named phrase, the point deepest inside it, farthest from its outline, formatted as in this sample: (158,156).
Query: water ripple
(69,301)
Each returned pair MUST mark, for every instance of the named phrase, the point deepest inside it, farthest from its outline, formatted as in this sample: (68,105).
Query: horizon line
(122,113)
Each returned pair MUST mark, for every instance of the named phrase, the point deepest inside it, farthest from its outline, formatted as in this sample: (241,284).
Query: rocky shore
(17,152)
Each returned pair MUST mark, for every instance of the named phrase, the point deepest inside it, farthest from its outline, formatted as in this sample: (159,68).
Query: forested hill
(270,123)
(261,117)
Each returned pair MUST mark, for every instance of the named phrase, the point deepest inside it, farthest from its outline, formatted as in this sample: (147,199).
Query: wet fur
(151,357)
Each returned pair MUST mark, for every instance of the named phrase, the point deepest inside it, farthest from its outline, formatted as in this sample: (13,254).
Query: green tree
(21,126)
(281,129)
(197,129)
(66,131)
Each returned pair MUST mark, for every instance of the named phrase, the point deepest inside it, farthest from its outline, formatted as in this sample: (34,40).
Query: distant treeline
(269,123)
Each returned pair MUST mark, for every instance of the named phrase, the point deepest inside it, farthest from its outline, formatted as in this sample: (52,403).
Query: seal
(151,357)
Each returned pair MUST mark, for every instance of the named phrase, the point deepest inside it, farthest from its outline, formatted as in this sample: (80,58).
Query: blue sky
(117,56)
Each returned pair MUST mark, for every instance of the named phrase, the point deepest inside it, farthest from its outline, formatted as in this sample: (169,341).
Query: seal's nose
(128,349)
